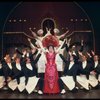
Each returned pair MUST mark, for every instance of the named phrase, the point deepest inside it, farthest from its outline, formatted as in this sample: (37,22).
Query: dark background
(91,8)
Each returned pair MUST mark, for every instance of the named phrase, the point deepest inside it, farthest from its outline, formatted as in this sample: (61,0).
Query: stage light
(14,20)
(71,19)
(24,20)
(9,20)
(81,19)
(75,19)
(20,20)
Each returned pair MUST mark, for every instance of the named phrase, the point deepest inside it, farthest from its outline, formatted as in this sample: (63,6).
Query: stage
(27,17)
(92,94)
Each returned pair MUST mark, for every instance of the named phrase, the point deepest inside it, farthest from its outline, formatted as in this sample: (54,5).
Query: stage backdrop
(62,15)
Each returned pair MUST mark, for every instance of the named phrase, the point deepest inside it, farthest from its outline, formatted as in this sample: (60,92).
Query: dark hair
(18,57)
(50,46)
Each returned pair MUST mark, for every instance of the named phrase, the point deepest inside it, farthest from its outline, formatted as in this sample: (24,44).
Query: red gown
(51,84)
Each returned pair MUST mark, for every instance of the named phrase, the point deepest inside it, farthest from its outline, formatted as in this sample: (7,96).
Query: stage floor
(81,94)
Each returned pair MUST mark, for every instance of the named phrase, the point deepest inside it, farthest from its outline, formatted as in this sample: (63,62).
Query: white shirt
(27,54)
(9,65)
(70,65)
(95,64)
(84,64)
(18,66)
(74,53)
(29,66)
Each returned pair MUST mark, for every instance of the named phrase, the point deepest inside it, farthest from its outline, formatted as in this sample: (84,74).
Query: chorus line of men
(81,71)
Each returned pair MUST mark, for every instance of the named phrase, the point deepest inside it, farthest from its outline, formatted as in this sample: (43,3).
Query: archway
(64,15)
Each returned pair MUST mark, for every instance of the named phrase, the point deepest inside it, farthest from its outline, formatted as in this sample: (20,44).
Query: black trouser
(41,75)
(40,84)
(61,84)
(60,73)
(18,80)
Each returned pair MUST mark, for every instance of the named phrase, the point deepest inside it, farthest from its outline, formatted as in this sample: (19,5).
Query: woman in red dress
(51,84)
(50,47)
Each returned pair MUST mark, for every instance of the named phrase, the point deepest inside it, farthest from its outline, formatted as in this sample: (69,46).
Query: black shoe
(97,87)
(86,90)
(75,90)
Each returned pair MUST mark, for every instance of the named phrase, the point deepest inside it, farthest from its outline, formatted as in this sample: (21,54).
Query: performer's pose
(70,72)
(17,80)
(30,71)
(95,70)
(84,72)
(51,84)
(41,37)
(30,74)
(7,69)
(56,31)
(40,33)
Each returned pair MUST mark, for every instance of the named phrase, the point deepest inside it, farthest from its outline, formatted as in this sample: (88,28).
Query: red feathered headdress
(50,40)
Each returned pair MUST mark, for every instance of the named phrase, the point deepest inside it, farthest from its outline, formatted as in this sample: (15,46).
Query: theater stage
(81,94)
